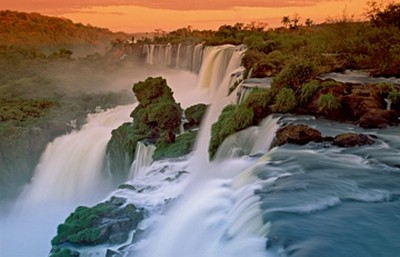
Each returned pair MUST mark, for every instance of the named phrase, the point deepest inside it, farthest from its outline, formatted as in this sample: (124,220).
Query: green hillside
(39,31)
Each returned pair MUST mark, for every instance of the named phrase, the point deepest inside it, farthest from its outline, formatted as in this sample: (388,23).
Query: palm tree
(285,21)
(295,20)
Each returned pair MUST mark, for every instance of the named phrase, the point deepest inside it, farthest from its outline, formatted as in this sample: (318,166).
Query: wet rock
(351,140)
(111,253)
(297,134)
(378,118)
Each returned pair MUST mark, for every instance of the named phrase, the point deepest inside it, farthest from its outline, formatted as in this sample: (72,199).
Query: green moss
(91,226)
(64,252)
(285,101)
(183,145)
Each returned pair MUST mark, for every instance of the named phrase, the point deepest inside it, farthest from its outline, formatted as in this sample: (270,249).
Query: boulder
(297,134)
(378,118)
(351,140)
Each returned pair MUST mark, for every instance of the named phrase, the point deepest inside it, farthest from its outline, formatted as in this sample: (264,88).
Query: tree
(285,21)
(308,22)
(389,16)
(295,19)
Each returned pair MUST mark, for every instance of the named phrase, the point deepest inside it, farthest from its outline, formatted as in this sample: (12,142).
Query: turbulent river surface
(316,200)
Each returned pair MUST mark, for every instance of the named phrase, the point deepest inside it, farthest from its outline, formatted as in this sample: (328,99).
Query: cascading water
(250,141)
(69,173)
(182,57)
(71,166)
(252,206)
(219,63)
(143,158)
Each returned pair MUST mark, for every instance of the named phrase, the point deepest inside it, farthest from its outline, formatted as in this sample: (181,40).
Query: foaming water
(211,217)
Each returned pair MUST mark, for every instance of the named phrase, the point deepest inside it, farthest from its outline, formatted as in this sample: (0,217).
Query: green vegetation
(44,86)
(35,30)
(107,222)
(389,91)
(294,74)
(194,115)
(155,119)
(183,145)
(327,103)
(285,101)
(259,101)
(307,91)
(232,119)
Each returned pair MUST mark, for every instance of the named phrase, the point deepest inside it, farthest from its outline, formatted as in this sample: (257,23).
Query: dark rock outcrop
(297,134)
(351,140)
(378,118)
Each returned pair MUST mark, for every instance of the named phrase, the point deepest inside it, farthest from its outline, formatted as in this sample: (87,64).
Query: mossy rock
(231,120)
(194,115)
(152,90)
(121,150)
(65,252)
(98,224)
(183,145)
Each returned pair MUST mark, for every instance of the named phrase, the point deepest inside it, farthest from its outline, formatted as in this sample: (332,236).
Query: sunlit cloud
(141,16)
(57,7)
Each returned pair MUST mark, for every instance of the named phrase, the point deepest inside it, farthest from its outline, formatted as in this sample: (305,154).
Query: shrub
(164,115)
(232,119)
(387,90)
(258,101)
(294,74)
(194,115)
(330,83)
(285,101)
(307,91)
(327,103)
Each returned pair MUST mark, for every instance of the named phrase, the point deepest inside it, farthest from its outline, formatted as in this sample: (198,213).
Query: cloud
(59,7)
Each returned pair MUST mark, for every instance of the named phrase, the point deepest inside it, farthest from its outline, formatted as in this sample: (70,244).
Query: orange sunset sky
(148,15)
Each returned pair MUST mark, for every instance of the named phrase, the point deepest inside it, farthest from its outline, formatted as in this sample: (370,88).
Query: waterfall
(184,57)
(253,140)
(71,166)
(143,158)
(218,65)
(216,215)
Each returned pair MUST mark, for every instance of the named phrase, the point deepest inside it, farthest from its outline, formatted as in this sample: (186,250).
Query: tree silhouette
(285,21)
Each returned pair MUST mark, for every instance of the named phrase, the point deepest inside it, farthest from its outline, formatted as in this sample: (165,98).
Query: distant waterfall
(185,57)
(71,166)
